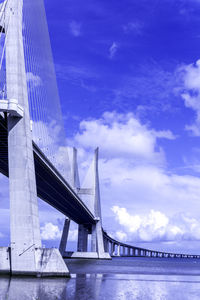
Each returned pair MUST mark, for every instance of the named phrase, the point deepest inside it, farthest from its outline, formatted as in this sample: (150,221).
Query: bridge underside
(51,186)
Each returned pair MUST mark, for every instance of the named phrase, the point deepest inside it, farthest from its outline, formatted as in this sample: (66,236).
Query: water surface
(145,283)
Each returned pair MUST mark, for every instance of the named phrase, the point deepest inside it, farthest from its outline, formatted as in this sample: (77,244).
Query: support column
(94,239)
(82,239)
(118,250)
(75,173)
(106,245)
(65,233)
(105,242)
(97,244)
(124,251)
(113,249)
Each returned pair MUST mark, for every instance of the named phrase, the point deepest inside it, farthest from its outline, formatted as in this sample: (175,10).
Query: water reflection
(102,286)
(88,285)
(32,289)
(125,287)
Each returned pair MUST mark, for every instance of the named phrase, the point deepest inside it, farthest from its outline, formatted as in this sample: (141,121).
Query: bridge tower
(26,255)
(89,192)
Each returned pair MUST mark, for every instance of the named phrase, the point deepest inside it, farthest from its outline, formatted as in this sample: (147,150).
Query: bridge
(28,155)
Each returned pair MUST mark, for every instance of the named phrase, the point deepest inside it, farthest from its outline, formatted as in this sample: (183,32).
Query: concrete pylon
(75,173)
(27,256)
(65,233)
(82,245)
(93,193)
(82,238)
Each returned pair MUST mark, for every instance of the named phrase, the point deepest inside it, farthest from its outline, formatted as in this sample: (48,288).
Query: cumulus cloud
(155,226)
(191,94)
(50,232)
(113,50)
(122,135)
(75,28)
(142,187)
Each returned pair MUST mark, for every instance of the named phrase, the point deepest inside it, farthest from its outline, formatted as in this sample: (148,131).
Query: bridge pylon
(25,256)
(89,193)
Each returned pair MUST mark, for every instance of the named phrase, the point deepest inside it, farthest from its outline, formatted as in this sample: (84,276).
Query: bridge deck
(51,186)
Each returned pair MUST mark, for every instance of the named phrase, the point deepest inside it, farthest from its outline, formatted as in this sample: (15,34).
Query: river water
(118,279)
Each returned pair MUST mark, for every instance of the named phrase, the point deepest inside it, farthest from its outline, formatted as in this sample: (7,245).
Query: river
(122,279)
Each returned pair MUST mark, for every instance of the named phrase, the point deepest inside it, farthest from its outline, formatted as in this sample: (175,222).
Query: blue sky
(129,82)
(125,57)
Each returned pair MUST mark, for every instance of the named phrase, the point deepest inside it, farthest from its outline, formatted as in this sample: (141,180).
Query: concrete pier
(63,242)
(82,239)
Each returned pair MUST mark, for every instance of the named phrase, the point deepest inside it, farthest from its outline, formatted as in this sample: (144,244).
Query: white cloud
(75,28)
(113,50)
(192,76)
(122,135)
(155,226)
(142,187)
(50,232)
(120,235)
(191,94)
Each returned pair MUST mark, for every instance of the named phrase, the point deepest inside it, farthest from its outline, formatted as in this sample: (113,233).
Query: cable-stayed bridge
(33,153)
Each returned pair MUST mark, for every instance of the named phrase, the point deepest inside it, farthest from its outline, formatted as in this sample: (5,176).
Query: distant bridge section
(116,248)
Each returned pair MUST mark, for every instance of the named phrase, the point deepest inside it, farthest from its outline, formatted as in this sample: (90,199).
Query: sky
(128,74)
